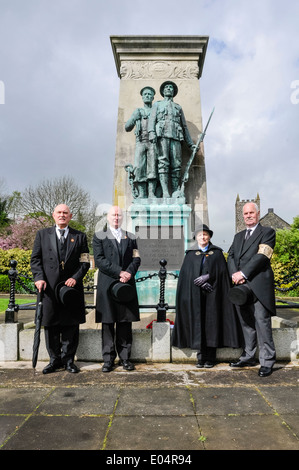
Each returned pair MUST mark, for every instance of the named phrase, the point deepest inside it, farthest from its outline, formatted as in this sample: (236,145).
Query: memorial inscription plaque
(160,242)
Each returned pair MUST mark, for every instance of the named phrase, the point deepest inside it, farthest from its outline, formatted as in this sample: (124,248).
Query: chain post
(12,309)
(162,307)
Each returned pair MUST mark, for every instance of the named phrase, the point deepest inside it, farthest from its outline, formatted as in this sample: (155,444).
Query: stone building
(273,220)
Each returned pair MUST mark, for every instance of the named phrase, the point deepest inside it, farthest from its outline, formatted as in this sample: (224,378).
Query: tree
(14,205)
(287,245)
(4,220)
(39,202)
(45,196)
(21,234)
(285,260)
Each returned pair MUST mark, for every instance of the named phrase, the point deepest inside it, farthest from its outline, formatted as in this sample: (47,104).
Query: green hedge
(5,285)
(21,256)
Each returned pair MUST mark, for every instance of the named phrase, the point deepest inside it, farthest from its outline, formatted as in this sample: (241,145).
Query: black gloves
(201,281)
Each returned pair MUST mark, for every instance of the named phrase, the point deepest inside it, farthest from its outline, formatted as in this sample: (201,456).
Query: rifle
(180,192)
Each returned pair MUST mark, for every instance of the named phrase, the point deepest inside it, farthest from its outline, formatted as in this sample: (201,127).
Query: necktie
(61,231)
(248,233)
(118,235)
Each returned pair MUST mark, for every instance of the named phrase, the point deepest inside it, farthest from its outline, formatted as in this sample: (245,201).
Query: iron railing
(11,313)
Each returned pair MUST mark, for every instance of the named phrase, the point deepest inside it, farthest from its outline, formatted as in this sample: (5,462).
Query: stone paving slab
(156,408)
(59,433)
(80,401)
(158,401)
(247,432)
(154,432)
(228,401)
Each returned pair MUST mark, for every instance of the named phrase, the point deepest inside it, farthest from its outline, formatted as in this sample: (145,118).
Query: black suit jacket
(45,266)
(253,259)
(110,263)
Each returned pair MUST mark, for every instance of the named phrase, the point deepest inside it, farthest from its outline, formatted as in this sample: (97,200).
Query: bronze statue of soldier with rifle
(168,129)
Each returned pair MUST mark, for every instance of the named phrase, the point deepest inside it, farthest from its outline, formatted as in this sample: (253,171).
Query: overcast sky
(59,95)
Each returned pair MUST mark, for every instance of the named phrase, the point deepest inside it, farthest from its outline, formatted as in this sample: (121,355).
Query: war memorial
(162,189)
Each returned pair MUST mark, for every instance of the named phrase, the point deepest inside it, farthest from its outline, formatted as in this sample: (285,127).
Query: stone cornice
(183,54)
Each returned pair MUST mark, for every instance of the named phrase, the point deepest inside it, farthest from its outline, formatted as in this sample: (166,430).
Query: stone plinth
(149,61)
(163,232)
(149,345)
(9,341)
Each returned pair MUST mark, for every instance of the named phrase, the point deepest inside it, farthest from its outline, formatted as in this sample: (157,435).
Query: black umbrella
(38,323)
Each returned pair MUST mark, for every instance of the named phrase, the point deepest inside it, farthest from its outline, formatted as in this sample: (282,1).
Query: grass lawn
(4,303)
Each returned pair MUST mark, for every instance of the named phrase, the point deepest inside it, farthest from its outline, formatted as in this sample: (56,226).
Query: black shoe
(243,364)
(71,367)
(108,366)
(265,371)
(50,368)
(209,364)
(127,365)
(200,364)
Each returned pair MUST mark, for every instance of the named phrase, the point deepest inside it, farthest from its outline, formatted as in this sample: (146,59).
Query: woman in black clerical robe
(205,318)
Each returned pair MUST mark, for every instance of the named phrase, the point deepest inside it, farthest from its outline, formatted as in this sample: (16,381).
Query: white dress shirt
(66,231)
(117,233)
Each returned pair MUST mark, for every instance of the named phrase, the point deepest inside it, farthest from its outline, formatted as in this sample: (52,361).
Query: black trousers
(62,343)
(116,340)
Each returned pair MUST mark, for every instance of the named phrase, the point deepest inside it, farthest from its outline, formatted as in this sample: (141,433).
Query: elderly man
(249,266)
(60,259)
(168,129)
(117,258)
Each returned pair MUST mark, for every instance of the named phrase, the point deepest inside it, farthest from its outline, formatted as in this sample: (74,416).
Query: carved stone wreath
(138,70)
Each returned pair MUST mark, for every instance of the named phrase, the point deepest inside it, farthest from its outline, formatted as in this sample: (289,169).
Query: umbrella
(38,322)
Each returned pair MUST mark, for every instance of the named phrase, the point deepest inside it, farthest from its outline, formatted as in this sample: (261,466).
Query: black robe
(110,263)
(201,313)
(45,266)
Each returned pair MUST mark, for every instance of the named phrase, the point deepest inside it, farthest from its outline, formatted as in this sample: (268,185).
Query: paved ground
(157,407)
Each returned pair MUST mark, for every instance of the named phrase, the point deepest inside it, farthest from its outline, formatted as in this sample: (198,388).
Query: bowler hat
(121,291)
(67,296)
(168,82)
(241,295)
(202,228)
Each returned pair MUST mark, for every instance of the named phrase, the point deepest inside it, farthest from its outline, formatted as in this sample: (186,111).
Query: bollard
(162,306)
(11,313)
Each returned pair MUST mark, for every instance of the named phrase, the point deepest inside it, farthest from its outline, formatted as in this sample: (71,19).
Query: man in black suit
(117,258)
(249,265)
(59,261)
